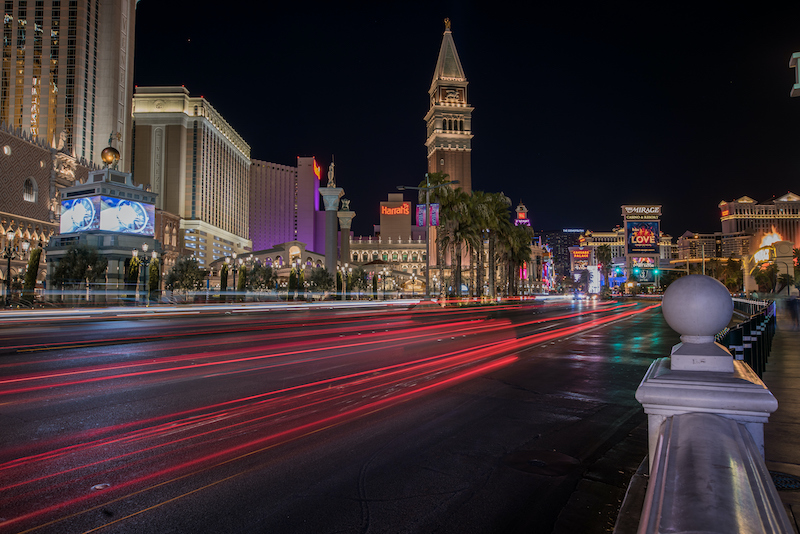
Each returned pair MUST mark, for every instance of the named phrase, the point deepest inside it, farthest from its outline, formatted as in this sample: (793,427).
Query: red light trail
(368,372)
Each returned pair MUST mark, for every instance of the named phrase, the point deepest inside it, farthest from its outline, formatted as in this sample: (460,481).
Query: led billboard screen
(80,215)
(107,213)
(642,237)
(126,216)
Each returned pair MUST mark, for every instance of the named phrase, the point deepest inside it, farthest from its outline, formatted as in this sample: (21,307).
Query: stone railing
(706,413)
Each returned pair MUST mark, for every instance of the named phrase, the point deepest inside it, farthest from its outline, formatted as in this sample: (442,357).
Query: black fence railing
(751,340)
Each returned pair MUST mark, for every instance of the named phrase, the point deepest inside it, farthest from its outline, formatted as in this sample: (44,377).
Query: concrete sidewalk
(782,432)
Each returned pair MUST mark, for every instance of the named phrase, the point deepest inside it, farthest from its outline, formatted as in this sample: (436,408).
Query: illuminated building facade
(780,215)
(718,245)
(109,213)
(198,166)
(32,175)
(284,204)
(559,243)
(67,74)
(449,119)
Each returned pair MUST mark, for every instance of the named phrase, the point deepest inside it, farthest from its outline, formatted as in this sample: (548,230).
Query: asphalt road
(381,420)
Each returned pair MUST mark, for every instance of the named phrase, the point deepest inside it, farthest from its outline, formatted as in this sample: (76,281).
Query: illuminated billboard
(80,215)
(107,213)
(580,258)
(642,237)
(126,216)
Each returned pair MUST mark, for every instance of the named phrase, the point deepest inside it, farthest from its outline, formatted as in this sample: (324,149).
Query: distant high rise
(449,119)
(67,73)
(284,205)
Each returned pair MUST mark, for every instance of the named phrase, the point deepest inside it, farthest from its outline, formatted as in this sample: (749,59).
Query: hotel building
(780,215)
(67,74)
(285,205)
(187,153)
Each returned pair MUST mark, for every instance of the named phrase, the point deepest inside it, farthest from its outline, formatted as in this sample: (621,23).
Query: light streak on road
(373,371)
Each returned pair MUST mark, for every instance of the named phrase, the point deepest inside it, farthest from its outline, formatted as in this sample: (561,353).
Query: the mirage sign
(638,213)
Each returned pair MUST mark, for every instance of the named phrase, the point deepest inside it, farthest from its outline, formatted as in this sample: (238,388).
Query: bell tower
(449,119)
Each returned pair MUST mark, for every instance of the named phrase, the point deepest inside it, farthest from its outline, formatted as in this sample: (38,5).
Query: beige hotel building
(199,167)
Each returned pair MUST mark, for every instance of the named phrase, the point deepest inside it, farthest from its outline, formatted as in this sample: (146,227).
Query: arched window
(414,256)
(355,256)
(374,256)
(394,256)
(450,124)
(385,256)
(29,190)
(461,125)
(405,256)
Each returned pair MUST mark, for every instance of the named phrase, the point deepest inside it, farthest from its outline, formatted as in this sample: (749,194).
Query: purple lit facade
(284,204)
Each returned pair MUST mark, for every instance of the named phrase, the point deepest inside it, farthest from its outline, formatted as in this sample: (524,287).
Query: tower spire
(449,119)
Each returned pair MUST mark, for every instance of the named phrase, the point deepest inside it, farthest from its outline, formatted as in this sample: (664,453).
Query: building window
(29,190)
(394,256)
(355,256)
(385,256)
(405,256)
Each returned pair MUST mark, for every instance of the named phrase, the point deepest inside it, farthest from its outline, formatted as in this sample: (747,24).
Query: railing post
(701,376)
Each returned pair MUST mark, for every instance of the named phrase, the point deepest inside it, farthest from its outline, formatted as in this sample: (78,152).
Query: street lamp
(344,281)
(427,190)
(146,275)
(10,252)
(383,277)
(235,268)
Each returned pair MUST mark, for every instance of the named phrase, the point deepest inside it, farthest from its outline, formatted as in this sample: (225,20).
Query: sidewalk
(782,432)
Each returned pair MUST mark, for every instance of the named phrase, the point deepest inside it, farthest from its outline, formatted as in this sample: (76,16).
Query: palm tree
(498,226)
(604,258)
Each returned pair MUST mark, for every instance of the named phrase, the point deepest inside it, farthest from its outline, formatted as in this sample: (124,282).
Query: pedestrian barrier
(751,340)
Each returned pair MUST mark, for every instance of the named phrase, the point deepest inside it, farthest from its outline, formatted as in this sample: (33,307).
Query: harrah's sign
(403,209)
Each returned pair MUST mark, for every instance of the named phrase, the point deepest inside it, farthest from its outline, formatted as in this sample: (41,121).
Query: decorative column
(345,220)
(701,376)
(331,196)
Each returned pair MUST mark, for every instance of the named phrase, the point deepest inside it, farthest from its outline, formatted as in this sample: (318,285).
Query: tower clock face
(451,94)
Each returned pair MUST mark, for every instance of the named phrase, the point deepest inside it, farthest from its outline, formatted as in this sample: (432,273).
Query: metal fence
(751,340)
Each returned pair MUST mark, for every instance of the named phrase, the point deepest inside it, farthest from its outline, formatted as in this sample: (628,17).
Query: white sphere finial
(697,307)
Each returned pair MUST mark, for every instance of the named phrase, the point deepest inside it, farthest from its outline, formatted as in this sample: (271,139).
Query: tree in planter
(357,280)
(30,274)
(185,275)
(132,266)
(81,265)
(261,278)
(154,280)
(319,279)
(241,282)
(292,284)
(223,277)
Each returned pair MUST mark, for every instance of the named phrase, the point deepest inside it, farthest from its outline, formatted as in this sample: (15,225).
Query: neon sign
(642,237)
(403,209)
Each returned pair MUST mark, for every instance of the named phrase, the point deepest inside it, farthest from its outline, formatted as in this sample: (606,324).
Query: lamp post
(383,278)
(235,268)
(413,286)
(146,275)
(9,253)
(344,282)
(428,187)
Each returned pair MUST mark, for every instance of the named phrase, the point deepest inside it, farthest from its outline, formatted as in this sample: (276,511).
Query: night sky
(578,109)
